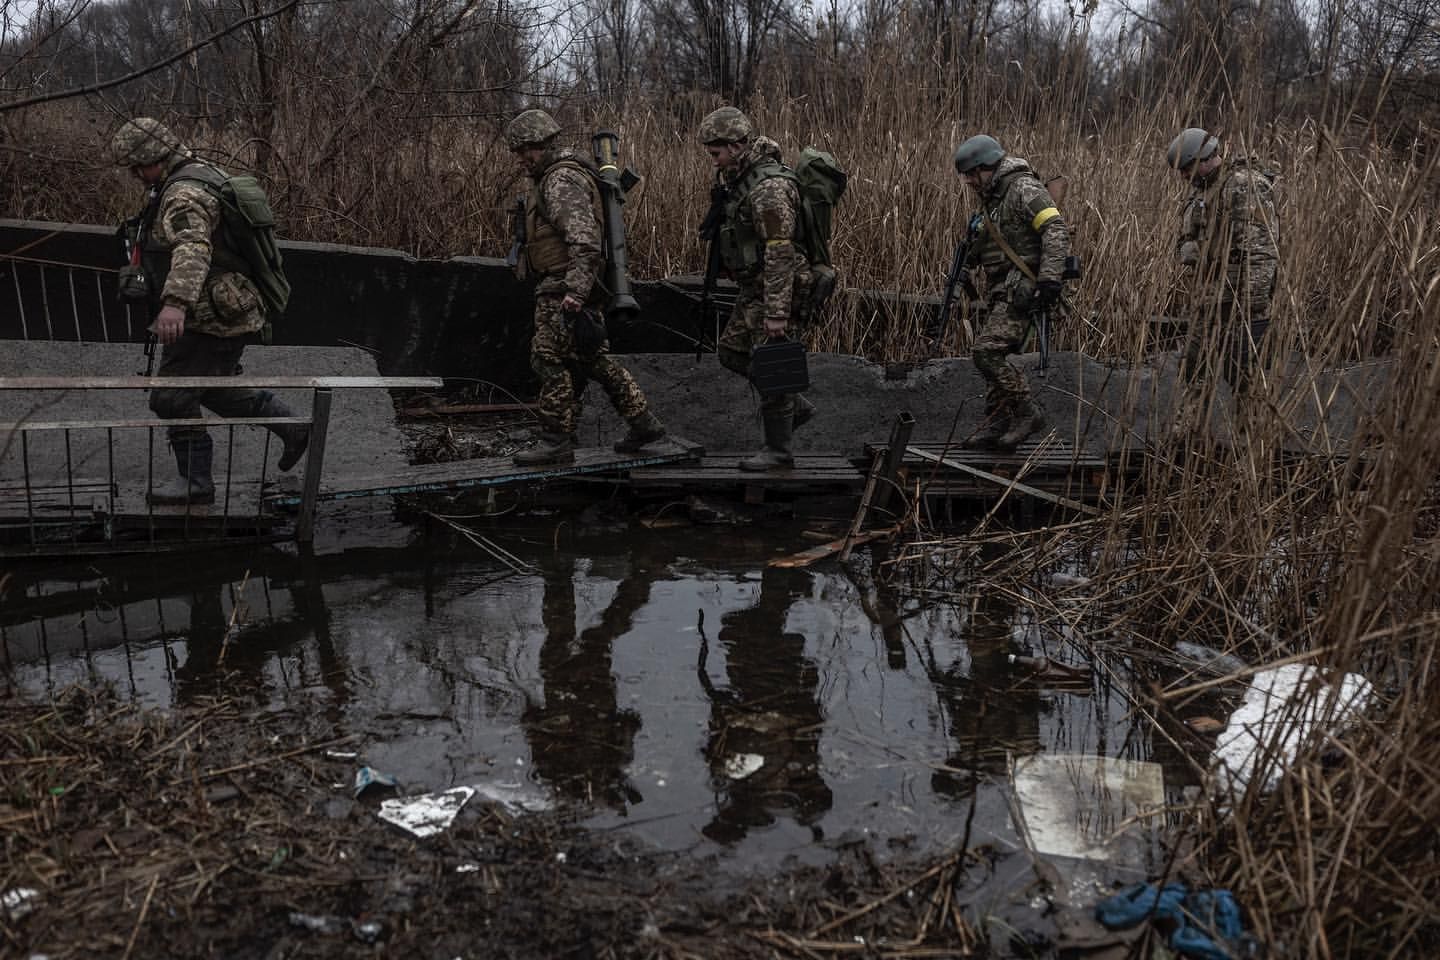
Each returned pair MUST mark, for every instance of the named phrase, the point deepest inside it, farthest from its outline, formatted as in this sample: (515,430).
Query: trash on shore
(18,901)
(1282,708)
(367,777)
(427,814)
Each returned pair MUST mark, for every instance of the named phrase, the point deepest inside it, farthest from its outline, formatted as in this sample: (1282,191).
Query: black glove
(1047,293)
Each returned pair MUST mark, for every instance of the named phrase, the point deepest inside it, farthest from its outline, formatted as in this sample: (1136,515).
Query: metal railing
(84,514)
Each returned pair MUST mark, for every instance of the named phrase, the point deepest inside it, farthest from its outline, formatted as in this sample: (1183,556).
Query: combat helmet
(530,128)
(1191,145)
(726,125)
(143,141)
(979,151)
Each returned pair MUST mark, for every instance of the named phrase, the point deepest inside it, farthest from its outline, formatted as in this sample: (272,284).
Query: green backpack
(822,184)
(248,230)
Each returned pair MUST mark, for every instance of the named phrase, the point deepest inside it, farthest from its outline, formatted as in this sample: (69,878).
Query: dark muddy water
(667,683)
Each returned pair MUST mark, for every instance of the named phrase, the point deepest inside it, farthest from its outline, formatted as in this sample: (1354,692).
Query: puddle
(667,684)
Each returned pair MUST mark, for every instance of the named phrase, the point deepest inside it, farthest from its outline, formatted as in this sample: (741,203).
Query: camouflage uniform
(188,266)
(1024,213)
(1228,254)
(564,251)
(773,277)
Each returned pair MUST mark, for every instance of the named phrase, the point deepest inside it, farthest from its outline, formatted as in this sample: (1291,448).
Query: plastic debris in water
(1212,660)
(427,814)
(741,765)
(1281,710)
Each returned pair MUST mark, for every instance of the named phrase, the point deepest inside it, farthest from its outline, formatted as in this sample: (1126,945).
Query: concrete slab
(1098,408)
(363,436)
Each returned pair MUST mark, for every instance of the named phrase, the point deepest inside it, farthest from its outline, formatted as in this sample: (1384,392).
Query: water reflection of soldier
(769,710)
(993,712)
(581,741)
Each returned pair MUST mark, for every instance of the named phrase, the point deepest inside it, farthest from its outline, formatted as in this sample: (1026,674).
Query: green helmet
(531,128)
(726,125)
(978,151)
(1192,144)
(143,141)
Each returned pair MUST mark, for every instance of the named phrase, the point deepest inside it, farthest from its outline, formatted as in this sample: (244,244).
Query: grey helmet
(1191,145)
(978,151)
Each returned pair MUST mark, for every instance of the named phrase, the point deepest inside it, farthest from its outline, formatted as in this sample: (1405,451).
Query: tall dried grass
(1239,549)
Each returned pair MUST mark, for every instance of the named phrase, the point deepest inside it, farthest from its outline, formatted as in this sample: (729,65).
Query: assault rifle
(710,232)
(1041,318)
(517,230)
(958,276)
(132,287)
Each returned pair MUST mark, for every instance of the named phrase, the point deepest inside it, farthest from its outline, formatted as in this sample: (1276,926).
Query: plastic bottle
(1043,668)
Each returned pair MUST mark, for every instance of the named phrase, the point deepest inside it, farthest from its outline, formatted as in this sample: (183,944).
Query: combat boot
(994,427)
(1025,420)
(644,429)
(553,448)
(193,457)
(804,412)
(779,425)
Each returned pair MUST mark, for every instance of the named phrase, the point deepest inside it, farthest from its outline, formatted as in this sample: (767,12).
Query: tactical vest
(155,257)
(545,249)
(1024,240)
(742,252)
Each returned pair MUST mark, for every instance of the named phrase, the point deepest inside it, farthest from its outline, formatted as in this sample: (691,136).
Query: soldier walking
(1020,249)
(563,251)
(757,231)
(1228,252)
(204,305)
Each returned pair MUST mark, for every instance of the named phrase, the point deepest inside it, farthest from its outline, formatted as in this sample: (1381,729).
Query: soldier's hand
(775,326)
(572,304)
(169,324)
(1047,293)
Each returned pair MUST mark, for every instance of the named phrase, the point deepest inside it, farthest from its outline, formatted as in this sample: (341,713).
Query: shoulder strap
(1008,250)
(199,172)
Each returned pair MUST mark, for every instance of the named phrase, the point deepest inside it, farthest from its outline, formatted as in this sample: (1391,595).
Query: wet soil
(217,830)
(678,750)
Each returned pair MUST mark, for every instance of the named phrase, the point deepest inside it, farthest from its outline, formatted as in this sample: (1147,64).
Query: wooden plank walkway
(495,471)
(716,471)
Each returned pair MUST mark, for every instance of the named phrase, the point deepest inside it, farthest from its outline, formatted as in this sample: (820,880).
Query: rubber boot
(778,424)
(1026,419)
(553,448)
(193,457)
(644,429)
(994,427)
(804,412)
(295,436)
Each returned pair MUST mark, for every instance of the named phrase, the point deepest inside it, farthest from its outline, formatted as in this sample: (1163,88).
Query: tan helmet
(531,128)
(726,125)
(143,141)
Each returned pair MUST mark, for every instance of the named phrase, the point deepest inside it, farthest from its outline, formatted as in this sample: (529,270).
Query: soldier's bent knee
(735,360)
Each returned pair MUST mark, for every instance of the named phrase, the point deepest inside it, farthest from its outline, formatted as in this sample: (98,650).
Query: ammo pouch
(132,285)
(587,332)
(779,367)
(822,284)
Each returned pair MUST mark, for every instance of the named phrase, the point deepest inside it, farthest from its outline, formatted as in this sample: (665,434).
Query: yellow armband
(1043,217)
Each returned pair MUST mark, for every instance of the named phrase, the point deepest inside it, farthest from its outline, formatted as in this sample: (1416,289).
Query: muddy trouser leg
(625,394)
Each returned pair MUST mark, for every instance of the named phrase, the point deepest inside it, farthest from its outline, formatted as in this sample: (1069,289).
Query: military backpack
(247,228)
